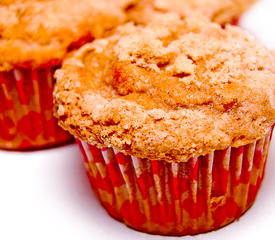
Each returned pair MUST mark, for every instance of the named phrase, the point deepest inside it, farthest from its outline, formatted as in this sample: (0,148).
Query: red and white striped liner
(164,198)
(26,110)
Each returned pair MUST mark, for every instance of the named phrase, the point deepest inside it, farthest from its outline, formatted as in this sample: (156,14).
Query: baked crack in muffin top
(33,32)
(172,91)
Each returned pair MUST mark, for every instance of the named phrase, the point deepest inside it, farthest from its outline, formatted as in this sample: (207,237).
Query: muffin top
(220,11)
(33,32)
(171,91)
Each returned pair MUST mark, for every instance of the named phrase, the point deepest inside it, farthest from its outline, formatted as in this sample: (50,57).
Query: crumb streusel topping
(171,92)
(219,11)
(34,32)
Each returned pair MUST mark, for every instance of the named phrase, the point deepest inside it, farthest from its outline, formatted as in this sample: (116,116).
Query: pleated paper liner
(164,198)
(26,110)
(26,103)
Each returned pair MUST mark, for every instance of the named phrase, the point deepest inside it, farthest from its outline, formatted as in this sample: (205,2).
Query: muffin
(222,12)
(34,37)
(174,122)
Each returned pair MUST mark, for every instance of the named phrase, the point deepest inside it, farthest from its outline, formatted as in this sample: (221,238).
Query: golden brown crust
(33,32)
(219,11)
(168,92)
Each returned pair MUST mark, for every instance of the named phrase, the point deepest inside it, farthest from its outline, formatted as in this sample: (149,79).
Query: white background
(46,194)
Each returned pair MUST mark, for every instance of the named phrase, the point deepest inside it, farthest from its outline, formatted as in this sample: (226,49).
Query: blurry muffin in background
(219,11)
(34,37)
(174,121)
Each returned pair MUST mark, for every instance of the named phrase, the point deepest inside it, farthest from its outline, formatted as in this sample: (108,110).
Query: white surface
(46,194)
(260,21)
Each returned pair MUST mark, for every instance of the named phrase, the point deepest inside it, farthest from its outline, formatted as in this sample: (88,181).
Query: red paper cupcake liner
(164,198)
(26,110)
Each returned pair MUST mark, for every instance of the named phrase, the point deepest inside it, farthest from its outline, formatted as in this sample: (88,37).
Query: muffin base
(26,110)
(158,197)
